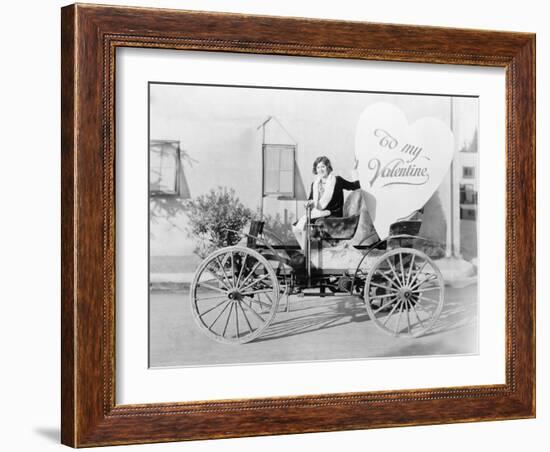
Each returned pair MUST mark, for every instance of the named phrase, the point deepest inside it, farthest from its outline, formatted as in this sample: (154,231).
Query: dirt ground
(315,329)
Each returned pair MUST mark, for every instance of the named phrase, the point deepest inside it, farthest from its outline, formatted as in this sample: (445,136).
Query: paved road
(315,329)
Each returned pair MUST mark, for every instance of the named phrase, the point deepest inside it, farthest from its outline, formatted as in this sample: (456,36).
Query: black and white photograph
(297,225)
(236,225)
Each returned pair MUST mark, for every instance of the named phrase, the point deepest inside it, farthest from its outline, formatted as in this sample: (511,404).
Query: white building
(261,141)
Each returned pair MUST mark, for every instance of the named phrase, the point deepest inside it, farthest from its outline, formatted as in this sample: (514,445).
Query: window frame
(468,176)
(280,194)
(177,185)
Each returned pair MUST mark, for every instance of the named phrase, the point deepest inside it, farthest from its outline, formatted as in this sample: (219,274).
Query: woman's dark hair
(324,160)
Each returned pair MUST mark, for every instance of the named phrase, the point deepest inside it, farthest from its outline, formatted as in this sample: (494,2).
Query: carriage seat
(335,228)
(400,228)
(256,229)
(408,227)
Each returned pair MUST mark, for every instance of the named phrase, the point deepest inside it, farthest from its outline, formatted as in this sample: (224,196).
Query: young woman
(326,197)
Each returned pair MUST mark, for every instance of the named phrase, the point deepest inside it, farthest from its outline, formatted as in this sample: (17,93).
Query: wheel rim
(234,295)
(404,292)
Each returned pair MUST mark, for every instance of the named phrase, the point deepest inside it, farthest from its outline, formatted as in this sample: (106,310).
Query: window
(278,160)
(468,172)
(164,167)
(467,194)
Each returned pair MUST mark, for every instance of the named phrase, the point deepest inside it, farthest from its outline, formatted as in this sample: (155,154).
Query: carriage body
(236,290)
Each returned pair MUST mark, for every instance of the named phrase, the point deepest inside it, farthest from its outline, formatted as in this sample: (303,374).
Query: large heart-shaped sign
(400,165)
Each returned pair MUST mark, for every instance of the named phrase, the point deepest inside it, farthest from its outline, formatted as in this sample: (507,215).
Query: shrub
(211,214)
(277,226)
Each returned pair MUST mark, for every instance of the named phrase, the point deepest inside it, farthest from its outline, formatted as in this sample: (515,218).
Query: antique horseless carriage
(236,290)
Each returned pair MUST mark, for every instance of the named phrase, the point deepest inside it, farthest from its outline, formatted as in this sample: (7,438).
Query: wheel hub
(235,295)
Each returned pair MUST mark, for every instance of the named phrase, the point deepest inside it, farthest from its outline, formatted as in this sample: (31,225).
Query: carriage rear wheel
(404,292)
(234,295)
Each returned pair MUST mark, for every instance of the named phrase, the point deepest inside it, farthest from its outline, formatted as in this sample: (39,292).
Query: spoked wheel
(404,292)
(234,295)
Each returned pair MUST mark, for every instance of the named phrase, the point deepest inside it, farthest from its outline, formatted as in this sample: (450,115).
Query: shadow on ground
(336,313)
(456,314)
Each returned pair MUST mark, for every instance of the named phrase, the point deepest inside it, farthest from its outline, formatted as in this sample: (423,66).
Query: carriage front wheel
(234,295)
(404,292)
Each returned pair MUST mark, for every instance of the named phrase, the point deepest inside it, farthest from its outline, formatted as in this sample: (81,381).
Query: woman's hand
(308,204)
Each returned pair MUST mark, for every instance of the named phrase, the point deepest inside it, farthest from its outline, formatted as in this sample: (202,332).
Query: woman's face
(322,169)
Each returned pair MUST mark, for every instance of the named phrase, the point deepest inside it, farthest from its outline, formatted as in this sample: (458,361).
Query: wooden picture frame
(90,36)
